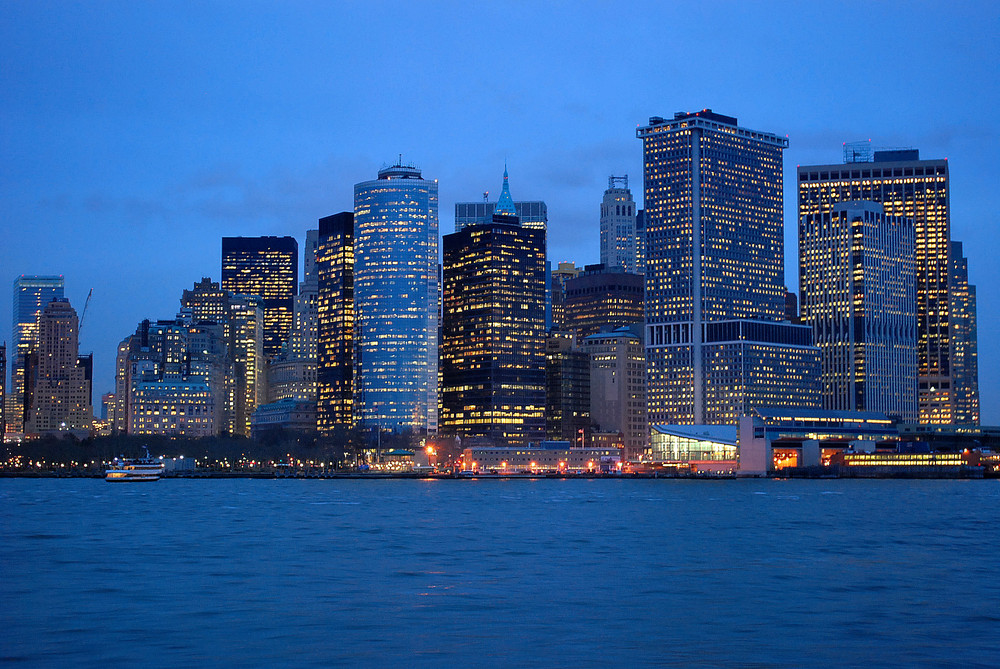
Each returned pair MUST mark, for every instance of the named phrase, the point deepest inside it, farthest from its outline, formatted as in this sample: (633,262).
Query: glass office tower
(267,267)
(919,190)
(493,351)
(335,364)
(396,300)
(857,280)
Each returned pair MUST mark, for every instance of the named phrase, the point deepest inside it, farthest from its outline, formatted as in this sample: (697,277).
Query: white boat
(145,468)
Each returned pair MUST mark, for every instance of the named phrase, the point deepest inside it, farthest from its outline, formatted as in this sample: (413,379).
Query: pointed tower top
(505,205)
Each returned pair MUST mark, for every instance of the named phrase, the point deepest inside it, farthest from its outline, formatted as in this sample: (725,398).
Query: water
(241,573)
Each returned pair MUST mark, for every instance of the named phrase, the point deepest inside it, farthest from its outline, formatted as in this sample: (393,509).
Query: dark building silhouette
(267,267)
(601,299)
(335,351)
(567,390)
(493,344)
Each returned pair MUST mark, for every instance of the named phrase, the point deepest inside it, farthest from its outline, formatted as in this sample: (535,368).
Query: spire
(505,205)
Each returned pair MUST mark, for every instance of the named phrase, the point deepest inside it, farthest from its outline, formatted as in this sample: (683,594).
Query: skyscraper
(619,239)
(714,273)
(493,344)
(173,379)
(567,390)
(242,318)
(618,387)
(919,190)
(396,300)
(601,299)
(964,335)
(335,365)
(61,394)
(267,267)
(857,278)
(31,294)
(558,277)
(292,373)
(530,214)
(3,390)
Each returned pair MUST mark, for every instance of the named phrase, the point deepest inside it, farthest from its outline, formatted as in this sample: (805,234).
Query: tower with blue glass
(396,301)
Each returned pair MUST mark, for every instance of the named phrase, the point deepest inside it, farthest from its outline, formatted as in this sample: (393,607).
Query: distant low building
(542,460)
(289,414)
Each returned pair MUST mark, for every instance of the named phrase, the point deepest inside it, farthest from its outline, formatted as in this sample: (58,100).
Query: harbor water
(560,573)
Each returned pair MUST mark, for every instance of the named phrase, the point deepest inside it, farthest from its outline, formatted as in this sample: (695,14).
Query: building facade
(857,278)
(396,301)
(61,393)
(3,390)
(557,293)
(267,267)
(335,352)
(601,299)
(567,390)
(714,257)
(31,294)
(918,190)
(618,387)
(242,320)
(964,336)
(493,334)
(619,239)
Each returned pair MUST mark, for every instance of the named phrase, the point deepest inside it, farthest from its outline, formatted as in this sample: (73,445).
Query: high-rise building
(567,390)
(557,293)
(174,379)
(964,336)
(919,190)
(530,214)
(714,272)
(267,267)
(640,241)
(493,343)
(601,299)
(242,318)
(60,397)
(619,238)
(396,300)
(335,362)
(3,390)
(791,307)
(31,294)
(857,278)
(292,373)
(618,387)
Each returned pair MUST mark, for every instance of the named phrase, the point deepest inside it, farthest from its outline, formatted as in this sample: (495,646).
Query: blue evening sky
(134,135)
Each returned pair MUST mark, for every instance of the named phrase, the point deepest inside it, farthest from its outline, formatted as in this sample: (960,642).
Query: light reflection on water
(520,573)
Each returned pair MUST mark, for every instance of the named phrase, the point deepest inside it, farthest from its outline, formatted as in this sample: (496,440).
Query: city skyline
(103,201)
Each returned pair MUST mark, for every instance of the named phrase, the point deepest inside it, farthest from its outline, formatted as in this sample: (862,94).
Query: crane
(85,305)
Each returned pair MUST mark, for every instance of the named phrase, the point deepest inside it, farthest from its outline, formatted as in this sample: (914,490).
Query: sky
(135,135)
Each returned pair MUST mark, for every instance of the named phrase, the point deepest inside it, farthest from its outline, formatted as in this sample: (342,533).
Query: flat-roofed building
(917,190)
(335,352)
(538,460)
(601,299)
(857,275)
(267,267)
(618,387)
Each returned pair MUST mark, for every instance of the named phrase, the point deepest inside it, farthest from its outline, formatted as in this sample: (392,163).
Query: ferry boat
(145,468)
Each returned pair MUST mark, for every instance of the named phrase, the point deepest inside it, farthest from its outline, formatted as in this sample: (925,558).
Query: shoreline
(212,475)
